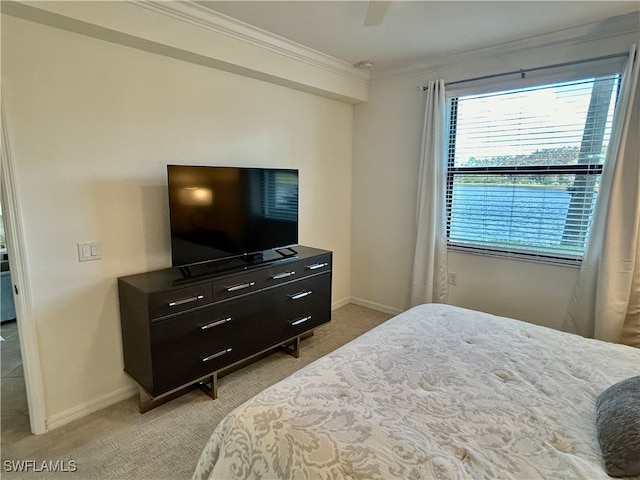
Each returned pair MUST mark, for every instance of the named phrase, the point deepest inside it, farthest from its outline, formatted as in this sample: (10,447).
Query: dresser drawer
(277,274)
(282,273)
(301,306)
(235,285)
(319,264)
(180,300)
(200,342)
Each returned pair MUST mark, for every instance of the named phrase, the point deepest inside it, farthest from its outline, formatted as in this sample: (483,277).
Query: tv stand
(254,258)
(203,271)
(180,336)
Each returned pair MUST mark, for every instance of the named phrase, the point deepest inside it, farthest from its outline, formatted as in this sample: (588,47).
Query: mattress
(438,392)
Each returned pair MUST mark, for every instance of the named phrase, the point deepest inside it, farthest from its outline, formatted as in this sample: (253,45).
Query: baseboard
(375,306)
(90,407)
(340,303)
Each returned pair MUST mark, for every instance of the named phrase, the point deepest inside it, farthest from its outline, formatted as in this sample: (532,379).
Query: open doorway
(25,331)
(14,407)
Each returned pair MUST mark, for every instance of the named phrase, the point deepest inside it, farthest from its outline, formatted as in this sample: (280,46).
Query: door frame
(14,235)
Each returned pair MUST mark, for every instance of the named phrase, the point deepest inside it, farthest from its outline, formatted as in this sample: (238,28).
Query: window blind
(524,167)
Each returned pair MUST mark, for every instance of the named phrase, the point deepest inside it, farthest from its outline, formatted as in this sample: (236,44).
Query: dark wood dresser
(177,334)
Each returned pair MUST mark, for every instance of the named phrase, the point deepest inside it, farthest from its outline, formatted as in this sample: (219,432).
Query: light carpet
(165,443)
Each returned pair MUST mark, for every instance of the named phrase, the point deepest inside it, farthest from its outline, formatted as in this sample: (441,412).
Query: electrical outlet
(453,279)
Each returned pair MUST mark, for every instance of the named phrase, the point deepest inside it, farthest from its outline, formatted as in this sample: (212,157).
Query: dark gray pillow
(618,427)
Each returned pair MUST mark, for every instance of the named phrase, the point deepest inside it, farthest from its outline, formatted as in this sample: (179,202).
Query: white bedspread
(436,392)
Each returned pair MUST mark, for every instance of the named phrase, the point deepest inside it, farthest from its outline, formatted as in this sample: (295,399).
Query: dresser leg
(211,388)
(294,349)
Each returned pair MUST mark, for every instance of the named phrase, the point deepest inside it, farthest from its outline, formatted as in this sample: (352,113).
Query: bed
(437,392)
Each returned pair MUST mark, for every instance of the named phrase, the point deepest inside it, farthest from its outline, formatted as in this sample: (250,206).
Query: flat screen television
(219,213)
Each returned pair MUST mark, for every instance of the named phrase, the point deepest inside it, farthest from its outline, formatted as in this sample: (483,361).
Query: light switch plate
(88,251)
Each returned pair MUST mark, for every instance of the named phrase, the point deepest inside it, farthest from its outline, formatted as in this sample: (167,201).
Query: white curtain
(429,281)
(606,299)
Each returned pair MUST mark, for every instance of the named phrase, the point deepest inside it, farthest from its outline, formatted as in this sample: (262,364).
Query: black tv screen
(222,212)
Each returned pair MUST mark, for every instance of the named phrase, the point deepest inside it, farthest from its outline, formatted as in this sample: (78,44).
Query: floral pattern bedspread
(438,392)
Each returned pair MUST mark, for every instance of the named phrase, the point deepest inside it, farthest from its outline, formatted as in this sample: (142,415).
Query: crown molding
(189,32)
(203,17)
(618,26)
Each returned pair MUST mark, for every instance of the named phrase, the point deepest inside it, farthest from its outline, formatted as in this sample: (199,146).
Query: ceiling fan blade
(376,12)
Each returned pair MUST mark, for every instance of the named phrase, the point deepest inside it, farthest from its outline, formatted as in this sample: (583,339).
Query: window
(524,167)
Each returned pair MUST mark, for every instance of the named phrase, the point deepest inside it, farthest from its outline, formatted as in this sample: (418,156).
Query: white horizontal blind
(525,165)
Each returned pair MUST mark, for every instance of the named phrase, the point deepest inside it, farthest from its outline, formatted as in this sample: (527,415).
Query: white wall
(387,138)
(92,125)
(530,291)
(385,165)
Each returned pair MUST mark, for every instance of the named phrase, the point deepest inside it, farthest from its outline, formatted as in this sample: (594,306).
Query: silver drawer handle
(216,355)
(300,320)
(240,287)
(216,323)
(315,266)
(283,275)
(297,296)
(195,298)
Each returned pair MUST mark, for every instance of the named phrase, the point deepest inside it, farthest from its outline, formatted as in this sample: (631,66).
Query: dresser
(176,333)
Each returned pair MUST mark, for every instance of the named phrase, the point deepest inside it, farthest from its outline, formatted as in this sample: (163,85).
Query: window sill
(519,256)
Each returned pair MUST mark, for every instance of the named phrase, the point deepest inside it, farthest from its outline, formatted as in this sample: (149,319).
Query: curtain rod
(522,72)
